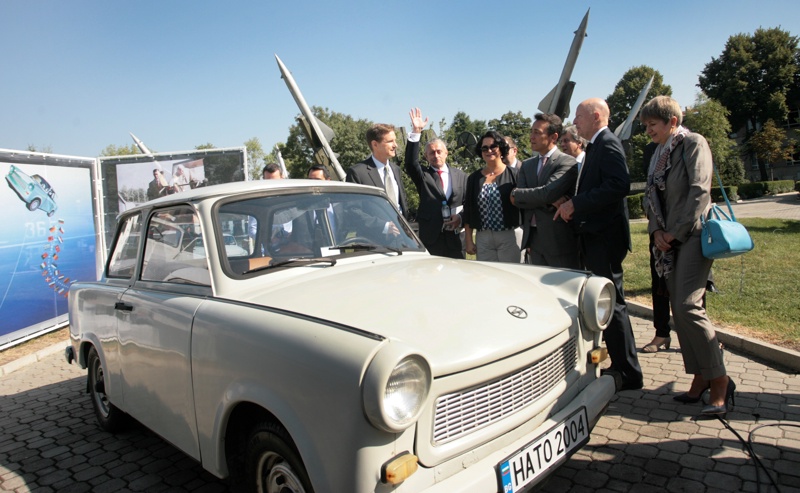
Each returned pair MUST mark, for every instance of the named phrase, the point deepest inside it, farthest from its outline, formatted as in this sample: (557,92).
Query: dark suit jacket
(603,185)
(431,195)
(366,173)
(534,194)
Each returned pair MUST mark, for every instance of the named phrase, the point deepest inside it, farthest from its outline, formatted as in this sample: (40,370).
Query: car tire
(272,463)
(50,214)
(109,417)
(34,204)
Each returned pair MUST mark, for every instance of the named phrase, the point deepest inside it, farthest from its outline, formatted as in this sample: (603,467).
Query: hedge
(732,191)
(635,206)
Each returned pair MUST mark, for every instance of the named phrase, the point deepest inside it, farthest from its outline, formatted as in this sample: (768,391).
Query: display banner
(128,181)
(48,239)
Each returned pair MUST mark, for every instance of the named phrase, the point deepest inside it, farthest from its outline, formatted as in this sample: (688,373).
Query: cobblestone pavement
(49,441)
(783,206)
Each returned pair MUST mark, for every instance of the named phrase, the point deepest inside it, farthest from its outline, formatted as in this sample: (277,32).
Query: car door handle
(125,307)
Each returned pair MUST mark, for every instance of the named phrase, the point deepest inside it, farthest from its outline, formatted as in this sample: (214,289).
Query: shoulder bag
(722,236)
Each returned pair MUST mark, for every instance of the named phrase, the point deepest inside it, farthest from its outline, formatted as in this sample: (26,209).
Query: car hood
(459,314)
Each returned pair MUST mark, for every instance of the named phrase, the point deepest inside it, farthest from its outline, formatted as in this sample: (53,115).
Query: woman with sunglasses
(487,206)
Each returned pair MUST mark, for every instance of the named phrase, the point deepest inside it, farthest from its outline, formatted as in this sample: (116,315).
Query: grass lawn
(759,291)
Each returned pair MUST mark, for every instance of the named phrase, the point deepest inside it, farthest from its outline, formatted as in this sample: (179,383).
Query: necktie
(388,184)
(441,181)
(542,164)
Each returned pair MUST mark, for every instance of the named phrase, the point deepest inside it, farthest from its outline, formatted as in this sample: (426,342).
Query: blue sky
(79,75)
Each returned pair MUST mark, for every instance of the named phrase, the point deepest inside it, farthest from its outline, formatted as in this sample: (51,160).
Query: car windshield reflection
(269,230)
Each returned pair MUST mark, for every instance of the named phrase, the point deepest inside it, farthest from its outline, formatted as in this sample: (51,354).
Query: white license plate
(534,459)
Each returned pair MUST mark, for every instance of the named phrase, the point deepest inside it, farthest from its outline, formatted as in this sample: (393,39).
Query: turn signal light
(399,469)
(598,355)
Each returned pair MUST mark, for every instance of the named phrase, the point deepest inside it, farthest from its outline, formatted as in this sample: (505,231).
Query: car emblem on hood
(517,311)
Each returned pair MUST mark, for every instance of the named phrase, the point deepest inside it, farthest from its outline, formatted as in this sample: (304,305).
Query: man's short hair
(270,168)
(572,131)
(436,140)
(554,124)
(378,131)
(319,167)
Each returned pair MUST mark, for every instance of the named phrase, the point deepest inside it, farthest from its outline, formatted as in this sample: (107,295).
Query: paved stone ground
(49,441)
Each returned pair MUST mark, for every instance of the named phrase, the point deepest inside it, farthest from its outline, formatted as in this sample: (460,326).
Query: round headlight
(597,303)
(406,391)
(396,387)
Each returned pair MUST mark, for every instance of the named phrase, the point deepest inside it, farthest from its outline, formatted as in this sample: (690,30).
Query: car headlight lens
(396,387)
(597,303)
(406,391)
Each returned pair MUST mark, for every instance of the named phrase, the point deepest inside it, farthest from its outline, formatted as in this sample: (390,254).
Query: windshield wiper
(293,262)
(366,246)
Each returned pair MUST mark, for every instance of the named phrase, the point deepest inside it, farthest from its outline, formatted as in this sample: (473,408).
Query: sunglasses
(490,148)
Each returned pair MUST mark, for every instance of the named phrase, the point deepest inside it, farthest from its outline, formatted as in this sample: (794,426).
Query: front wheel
(108,416)
(273,464)
(34,204)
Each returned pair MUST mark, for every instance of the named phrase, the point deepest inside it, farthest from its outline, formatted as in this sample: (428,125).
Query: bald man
(599,214)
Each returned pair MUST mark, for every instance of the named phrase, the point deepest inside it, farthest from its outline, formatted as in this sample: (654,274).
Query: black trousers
(602,254)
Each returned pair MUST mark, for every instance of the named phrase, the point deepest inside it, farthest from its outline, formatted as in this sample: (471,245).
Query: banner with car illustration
(60,212)
(48,239)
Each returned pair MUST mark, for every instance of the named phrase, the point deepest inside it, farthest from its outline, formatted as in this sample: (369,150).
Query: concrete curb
(784,357)
(32,358)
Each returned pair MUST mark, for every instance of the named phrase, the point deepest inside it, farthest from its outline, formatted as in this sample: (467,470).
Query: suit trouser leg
(602,259)
(687,286)
(660,299)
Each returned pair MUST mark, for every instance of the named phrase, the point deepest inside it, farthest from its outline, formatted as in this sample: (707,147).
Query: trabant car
(328,354)
(34,190)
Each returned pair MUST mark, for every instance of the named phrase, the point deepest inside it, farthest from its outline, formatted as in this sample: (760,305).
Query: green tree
(709,118)
(203,147)
(517,127)
(255,157)
(45,149)
(123,150)
(349,144)
(755,77)
(636,165)
(460,157)
(627,90)
(770,144)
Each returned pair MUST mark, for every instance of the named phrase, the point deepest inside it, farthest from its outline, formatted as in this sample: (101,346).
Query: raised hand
(417,123)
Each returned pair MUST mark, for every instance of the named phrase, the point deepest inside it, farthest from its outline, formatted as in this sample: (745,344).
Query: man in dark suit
(599,213)
(437,184)
(540,182)
(382,142)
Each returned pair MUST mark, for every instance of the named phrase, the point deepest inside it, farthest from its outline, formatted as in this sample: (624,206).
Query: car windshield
(270,230)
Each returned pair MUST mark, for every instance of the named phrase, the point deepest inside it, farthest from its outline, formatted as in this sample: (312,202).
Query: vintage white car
(329,355)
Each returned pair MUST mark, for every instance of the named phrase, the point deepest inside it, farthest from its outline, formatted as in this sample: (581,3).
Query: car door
(155,323)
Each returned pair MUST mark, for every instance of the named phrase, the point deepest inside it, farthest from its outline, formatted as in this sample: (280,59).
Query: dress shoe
(656,346)
(631,385)
(724,408)
(685,398)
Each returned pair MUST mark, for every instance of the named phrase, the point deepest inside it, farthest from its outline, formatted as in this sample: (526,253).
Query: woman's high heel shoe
(723,409)
(685,398)
(654,347)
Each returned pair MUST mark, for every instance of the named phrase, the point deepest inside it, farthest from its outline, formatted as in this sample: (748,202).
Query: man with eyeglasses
(439,186)
(378,171)
(541,181)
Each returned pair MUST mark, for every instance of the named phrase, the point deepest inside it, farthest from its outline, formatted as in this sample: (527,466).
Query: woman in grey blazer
(679,193)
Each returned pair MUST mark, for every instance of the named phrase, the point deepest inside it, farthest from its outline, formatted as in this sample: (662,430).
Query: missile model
(557,100)
(279,158)
(141,145)
(315,129)
(624,130)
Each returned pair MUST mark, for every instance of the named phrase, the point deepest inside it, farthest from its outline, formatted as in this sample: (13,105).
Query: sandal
(655,346)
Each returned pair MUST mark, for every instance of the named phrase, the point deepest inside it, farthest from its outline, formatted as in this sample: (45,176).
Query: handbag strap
(724,195)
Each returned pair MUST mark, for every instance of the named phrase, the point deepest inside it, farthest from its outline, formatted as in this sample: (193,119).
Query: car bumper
(482,475)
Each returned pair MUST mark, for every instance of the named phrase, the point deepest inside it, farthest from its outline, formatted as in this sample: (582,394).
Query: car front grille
(463,412)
